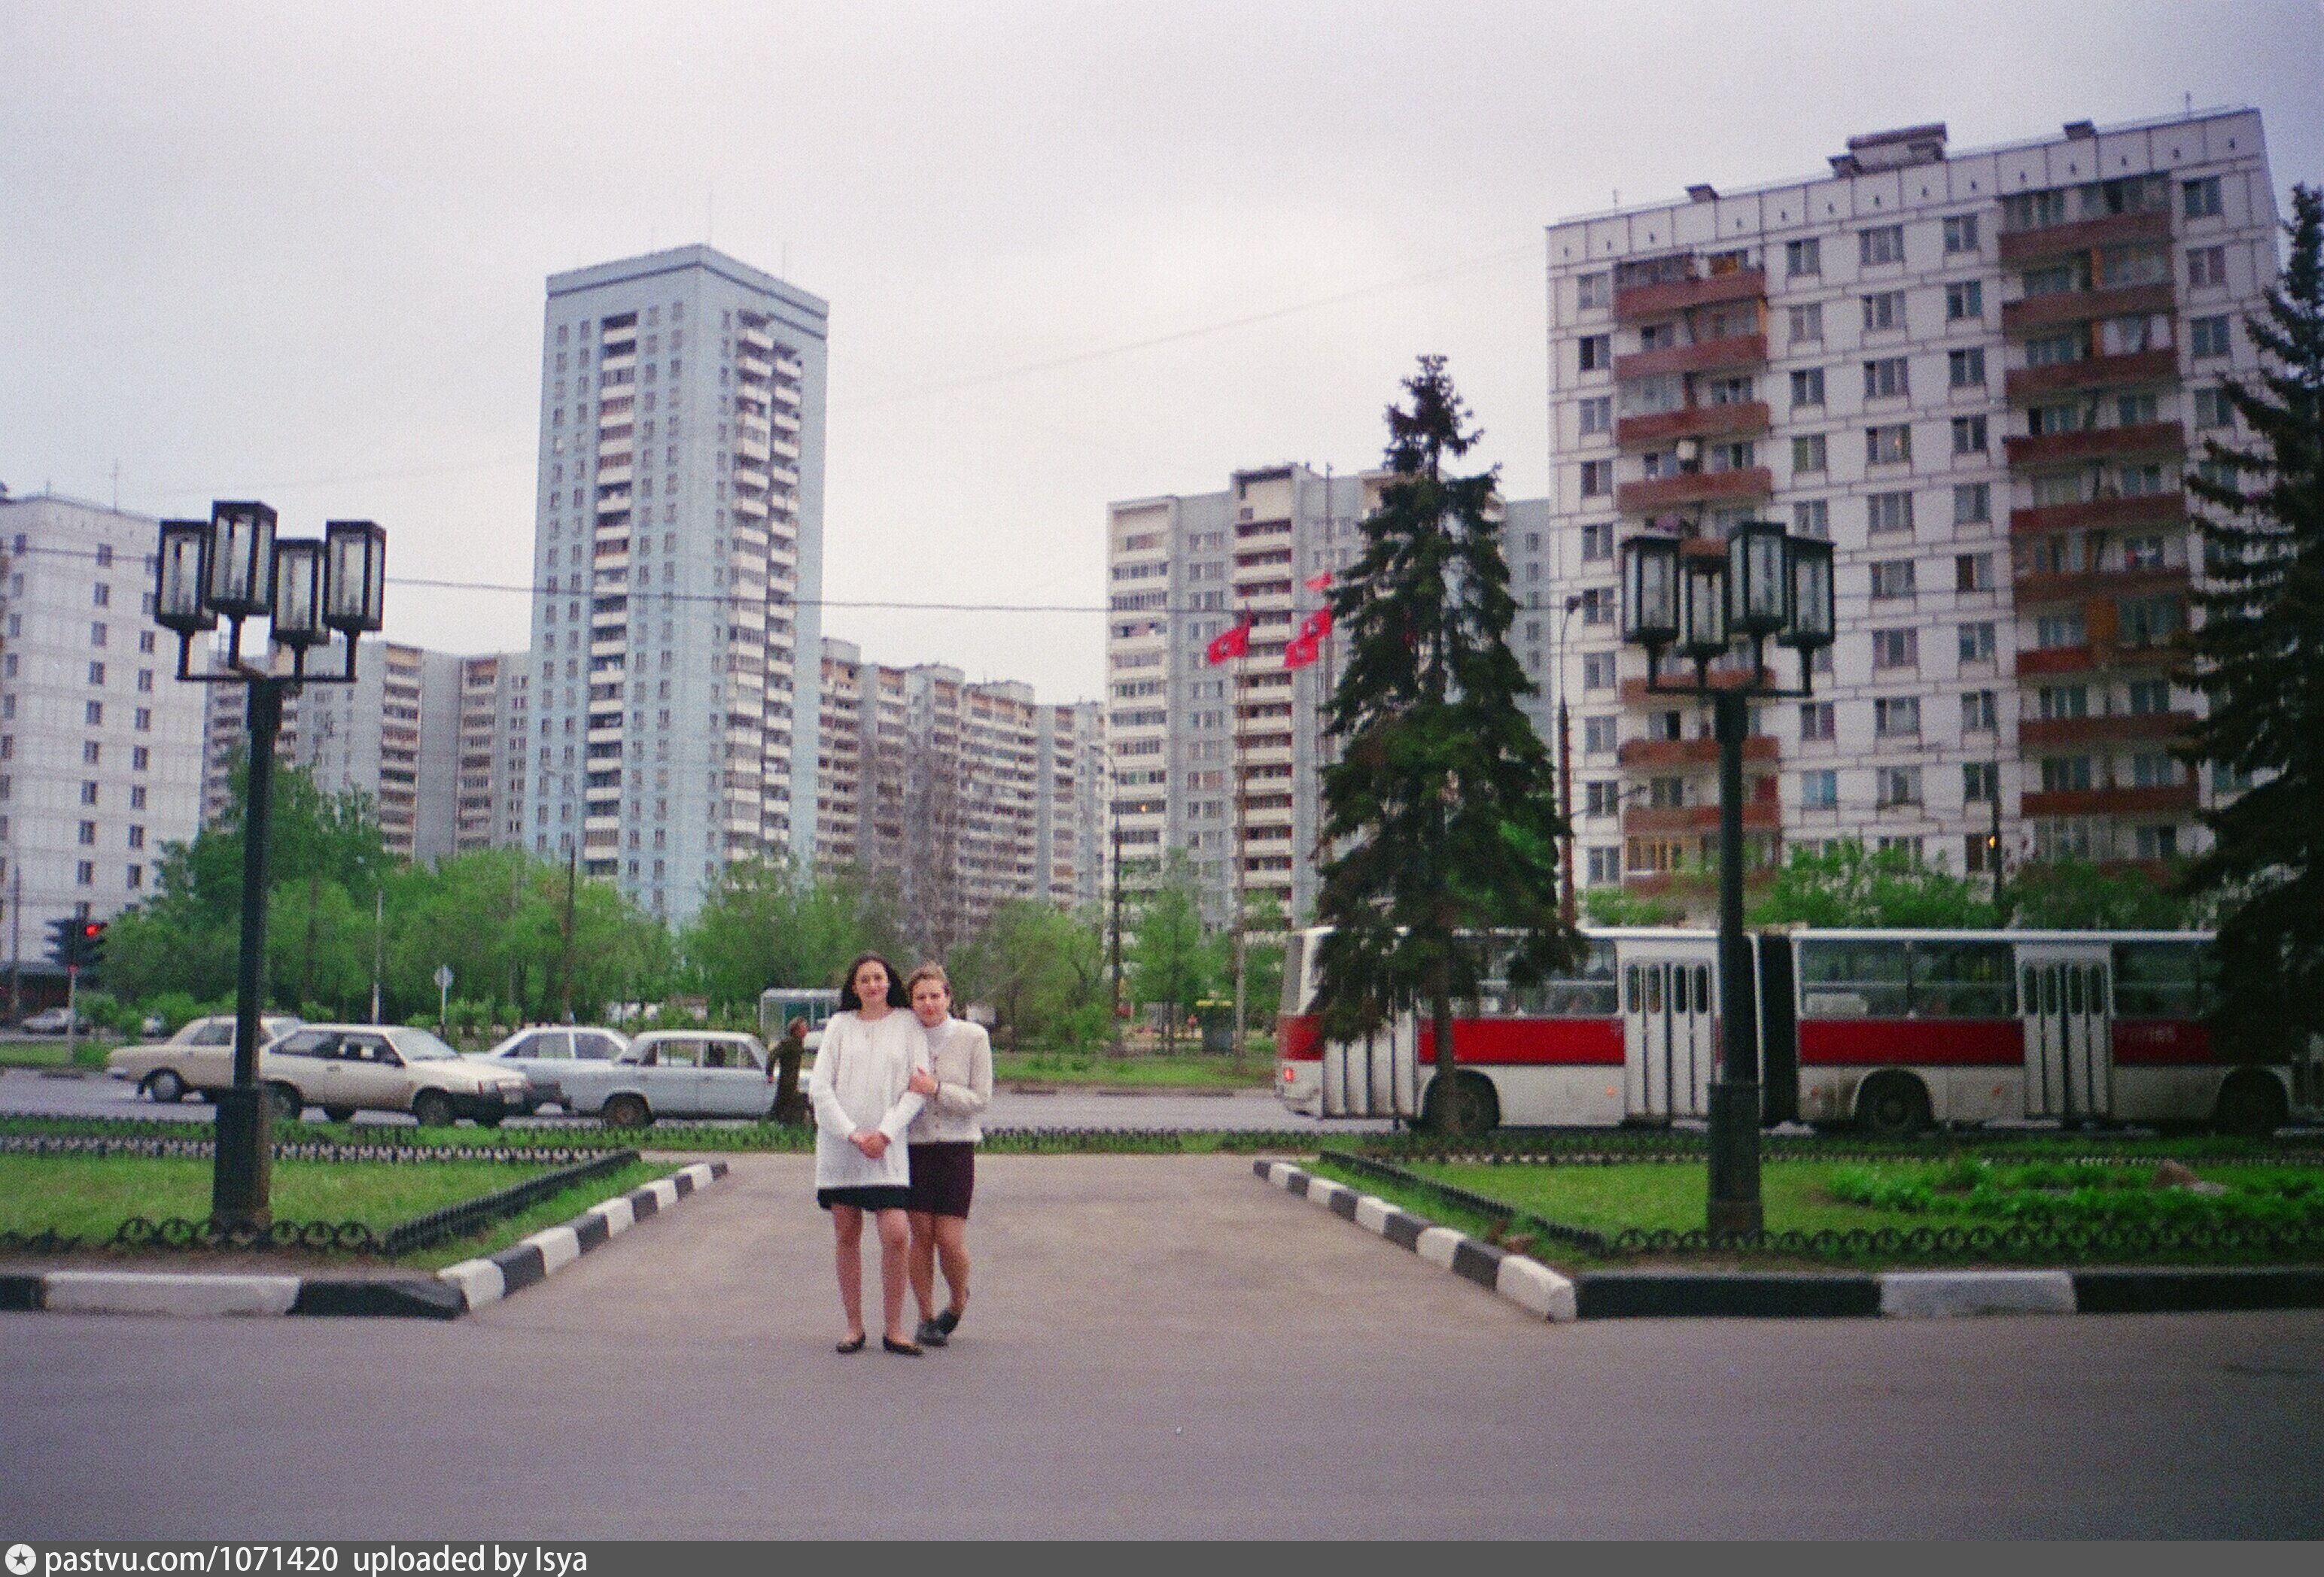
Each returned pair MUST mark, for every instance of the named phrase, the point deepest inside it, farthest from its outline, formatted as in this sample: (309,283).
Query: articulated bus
(1889,1031)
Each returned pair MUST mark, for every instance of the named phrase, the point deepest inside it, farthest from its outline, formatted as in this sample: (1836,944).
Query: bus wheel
(1892,1106)
(2251,1105)
(1476,1106)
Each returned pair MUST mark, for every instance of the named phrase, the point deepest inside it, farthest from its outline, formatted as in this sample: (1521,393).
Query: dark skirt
(870,1196)
(943,1177)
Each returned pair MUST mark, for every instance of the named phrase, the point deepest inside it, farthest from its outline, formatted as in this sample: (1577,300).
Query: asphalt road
(28,1092)
(1159,1347)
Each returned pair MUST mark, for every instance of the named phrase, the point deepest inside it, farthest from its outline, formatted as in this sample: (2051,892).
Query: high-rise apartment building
(493,740)
(1981,376)
(100,746)
(676,640)
(961,794)
(397,735)
(1189,738)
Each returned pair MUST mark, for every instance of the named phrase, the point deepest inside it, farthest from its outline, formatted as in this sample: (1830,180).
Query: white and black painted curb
(1527,1283)
(1608,1294)
(450,1293)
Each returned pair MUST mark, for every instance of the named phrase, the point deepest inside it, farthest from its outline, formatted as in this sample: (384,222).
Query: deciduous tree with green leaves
(1848,885)
(1440,817)
(1171,961)
(2258,656)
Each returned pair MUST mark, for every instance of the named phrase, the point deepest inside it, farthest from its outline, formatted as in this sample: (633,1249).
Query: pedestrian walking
(870,1080)
(943,1140)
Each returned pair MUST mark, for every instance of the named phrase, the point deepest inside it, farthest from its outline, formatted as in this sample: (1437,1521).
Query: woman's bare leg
(924,1261)
(952,1248)
(895,1250)
(847,1234)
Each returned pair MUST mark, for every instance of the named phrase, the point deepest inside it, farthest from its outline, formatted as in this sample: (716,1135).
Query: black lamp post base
(1735,1205)
(245,1165)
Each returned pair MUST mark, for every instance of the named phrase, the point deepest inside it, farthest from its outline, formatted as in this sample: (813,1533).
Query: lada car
(544,1054)
(674,1073)
(198,1059)
(347,1068)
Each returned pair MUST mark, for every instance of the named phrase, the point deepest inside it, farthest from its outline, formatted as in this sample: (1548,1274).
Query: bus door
(2065,999)
(1375,1074)
(1669,1027)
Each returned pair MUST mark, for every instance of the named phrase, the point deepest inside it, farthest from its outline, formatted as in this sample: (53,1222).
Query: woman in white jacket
(943,1140)
(871,1079)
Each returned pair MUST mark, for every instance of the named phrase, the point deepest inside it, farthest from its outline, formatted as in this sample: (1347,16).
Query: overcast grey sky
(297,252)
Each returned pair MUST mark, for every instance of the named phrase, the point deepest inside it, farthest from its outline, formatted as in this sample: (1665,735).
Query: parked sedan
(346,1068)
(53,1021)
(544,1055)
(199,1058)
(675,1072)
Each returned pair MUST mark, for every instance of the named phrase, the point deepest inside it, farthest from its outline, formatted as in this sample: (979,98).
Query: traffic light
(64,942)
(90,950)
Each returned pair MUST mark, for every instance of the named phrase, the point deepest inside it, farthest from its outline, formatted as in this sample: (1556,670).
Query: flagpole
(1241,795)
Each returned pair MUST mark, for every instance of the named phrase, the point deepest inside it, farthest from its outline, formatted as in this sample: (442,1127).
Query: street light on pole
(1713,605)
(1566,907)
(232,567)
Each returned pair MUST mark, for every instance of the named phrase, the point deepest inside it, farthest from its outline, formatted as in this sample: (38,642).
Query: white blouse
(861,1075)
(960,1054)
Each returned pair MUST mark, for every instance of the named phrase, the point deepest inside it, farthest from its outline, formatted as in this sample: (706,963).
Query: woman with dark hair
(870,1080)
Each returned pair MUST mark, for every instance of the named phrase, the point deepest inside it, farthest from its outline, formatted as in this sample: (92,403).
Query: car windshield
(419,1045)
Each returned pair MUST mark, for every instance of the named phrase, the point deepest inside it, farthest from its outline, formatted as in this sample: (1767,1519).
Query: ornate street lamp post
(1714,606)
(232,567)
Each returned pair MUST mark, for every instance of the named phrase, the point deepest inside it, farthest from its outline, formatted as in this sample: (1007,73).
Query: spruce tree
(1440,817)
(2258,656)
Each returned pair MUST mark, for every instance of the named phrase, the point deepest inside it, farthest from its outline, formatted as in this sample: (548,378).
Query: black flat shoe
(947,1322)
(930,1334)
(906,1348)
(853,1343)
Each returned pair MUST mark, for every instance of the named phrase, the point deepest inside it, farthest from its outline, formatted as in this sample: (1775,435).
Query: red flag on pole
(1230,644)
(1301,650)
(1317,624)
(1320,583)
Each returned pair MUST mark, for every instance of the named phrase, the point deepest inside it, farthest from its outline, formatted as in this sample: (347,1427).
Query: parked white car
(674,1073)
(198,1059)
(544,1055)
(346,1068)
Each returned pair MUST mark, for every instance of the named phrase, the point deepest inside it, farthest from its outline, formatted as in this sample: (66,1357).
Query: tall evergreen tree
(1441,809)
(2259,658)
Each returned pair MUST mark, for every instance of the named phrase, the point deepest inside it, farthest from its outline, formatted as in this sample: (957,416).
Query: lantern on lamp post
(311,593)
(1712,602)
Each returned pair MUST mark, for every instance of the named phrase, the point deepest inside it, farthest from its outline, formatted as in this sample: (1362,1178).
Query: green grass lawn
(50,1054)
(89,1196)
(1817,1195)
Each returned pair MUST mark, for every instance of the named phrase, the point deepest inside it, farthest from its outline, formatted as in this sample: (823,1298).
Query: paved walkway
(1159,1346)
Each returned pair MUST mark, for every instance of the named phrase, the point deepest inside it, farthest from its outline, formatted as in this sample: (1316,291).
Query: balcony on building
(1763,814)
(2064,449)
(2020,247)
(1728,352)
(2082,586)
(2025,385)
(1656,493)
(1636,694)
(1641,755)
(2112,728)
(2033,315)
(1747,418)
(1695,287)
(2101,514)
(2166,799)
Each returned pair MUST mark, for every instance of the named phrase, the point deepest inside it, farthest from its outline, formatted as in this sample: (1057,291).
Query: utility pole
(15,943)
(1993,835)
(1118,1049)
(378,945)
(1566,908)
(565,986)
(1241,840)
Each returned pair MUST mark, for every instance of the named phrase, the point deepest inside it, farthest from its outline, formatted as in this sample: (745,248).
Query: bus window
(1703,988)
(1630,989)
(2033,998)
(2073,992)
(2159,980)
(1848,978)
(1678,990)
(1654,988)
(1295,974)
(1963,980)
(2097,987)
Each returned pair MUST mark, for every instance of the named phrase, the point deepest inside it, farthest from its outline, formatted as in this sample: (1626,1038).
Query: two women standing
(874,1078)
